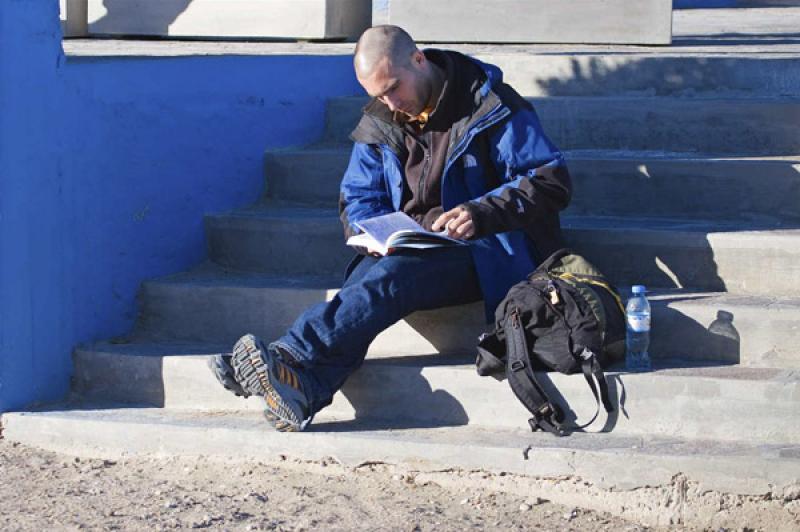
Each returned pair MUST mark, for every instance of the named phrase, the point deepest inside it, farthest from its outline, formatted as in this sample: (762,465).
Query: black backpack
(566,317)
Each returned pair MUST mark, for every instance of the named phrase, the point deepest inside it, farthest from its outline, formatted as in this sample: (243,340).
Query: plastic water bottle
(637,339)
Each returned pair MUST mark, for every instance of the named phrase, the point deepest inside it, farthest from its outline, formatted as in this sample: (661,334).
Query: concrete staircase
(687,179)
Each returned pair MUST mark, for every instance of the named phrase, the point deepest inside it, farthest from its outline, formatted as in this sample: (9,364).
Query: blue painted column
(33,255)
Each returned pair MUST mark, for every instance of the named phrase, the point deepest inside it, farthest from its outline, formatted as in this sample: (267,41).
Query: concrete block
(447,391)
(536,21)
(733,126)
(624,466)
(536,74)
(768,328)
(689,254)
(219,308)
(605,183)
(283,19)
(659,252)
(310,175)
(298,241)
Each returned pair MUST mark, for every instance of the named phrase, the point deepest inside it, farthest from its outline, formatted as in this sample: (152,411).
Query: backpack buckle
(547,418)
(517,365)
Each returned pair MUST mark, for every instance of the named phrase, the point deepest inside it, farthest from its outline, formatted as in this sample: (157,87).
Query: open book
(398,230)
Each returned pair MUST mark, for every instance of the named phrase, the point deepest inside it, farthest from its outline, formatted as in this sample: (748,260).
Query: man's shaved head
(375,44)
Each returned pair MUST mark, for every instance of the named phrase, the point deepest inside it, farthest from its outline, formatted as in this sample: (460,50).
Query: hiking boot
(220,366)
(262,371)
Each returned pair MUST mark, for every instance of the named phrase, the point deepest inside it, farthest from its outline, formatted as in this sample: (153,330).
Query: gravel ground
(41,490)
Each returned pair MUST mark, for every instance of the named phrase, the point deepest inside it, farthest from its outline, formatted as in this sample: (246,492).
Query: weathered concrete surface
(713,47)
(289,19)
(210,306)
(215,307)
(729,126)
(299,240)
(738,24)
(663,253)
(604,472)
(605,183)
(445,390)
(536,21)
(74,17)
(684,254)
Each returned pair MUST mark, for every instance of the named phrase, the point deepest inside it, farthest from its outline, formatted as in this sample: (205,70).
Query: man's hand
(458,223)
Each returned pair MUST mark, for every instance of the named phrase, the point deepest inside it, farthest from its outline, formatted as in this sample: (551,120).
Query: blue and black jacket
(500,166)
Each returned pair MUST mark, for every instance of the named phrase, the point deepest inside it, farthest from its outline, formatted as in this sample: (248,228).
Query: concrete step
(636,477)
(734,126)
(209,306)
(609,72)
(651,251)
(676,400)
(605,183)
(690,254)
(715,67)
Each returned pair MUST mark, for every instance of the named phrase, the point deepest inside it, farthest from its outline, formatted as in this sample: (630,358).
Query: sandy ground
(41,490)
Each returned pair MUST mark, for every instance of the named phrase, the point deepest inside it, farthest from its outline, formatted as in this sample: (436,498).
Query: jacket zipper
(425,169)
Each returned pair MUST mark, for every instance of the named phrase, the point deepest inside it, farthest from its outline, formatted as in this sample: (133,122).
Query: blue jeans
(330,340)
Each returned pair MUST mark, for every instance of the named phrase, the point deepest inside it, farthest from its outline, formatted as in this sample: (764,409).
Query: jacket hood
(494,76)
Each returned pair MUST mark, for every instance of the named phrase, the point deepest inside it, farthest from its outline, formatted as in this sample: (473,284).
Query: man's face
(401,88)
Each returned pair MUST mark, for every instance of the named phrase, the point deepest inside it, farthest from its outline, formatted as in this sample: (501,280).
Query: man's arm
(363,194)
(536,181)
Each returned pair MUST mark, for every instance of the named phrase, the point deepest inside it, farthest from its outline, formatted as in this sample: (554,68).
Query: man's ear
(418,59)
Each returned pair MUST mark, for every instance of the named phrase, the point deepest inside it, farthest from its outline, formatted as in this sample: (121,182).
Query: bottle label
(639,322)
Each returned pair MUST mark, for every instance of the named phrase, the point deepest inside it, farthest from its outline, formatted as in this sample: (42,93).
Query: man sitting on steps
(444,140)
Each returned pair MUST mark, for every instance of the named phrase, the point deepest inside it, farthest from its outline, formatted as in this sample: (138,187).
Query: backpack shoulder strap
(521,377)
(546,415)
(593,372)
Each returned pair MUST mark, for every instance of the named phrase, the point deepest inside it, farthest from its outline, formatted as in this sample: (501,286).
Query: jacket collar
(378,127)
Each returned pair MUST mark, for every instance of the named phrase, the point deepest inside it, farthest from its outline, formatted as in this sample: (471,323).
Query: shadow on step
(120,14)
(398,398)
(682,334)
(652,258)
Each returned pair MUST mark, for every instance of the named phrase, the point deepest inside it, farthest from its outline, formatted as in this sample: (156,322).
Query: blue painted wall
(106,169)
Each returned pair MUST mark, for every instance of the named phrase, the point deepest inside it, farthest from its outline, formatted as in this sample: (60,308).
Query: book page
(382,227)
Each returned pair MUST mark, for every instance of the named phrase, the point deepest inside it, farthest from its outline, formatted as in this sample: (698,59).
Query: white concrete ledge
(536,21)
(269,19)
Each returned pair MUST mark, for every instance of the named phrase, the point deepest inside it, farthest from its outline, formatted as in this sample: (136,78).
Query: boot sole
(252,373)
(224,376)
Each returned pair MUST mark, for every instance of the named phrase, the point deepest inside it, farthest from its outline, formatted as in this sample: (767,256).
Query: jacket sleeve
(363,193)
(535,182)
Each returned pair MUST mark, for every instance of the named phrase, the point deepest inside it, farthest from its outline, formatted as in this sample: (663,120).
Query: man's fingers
(462,217)
(465,230)
(444,218)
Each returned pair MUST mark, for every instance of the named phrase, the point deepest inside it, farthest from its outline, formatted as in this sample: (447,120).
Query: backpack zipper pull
(553,292)
(515,318)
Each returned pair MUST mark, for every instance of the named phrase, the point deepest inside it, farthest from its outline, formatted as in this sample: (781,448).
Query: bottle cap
(724,315)
(638,289)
